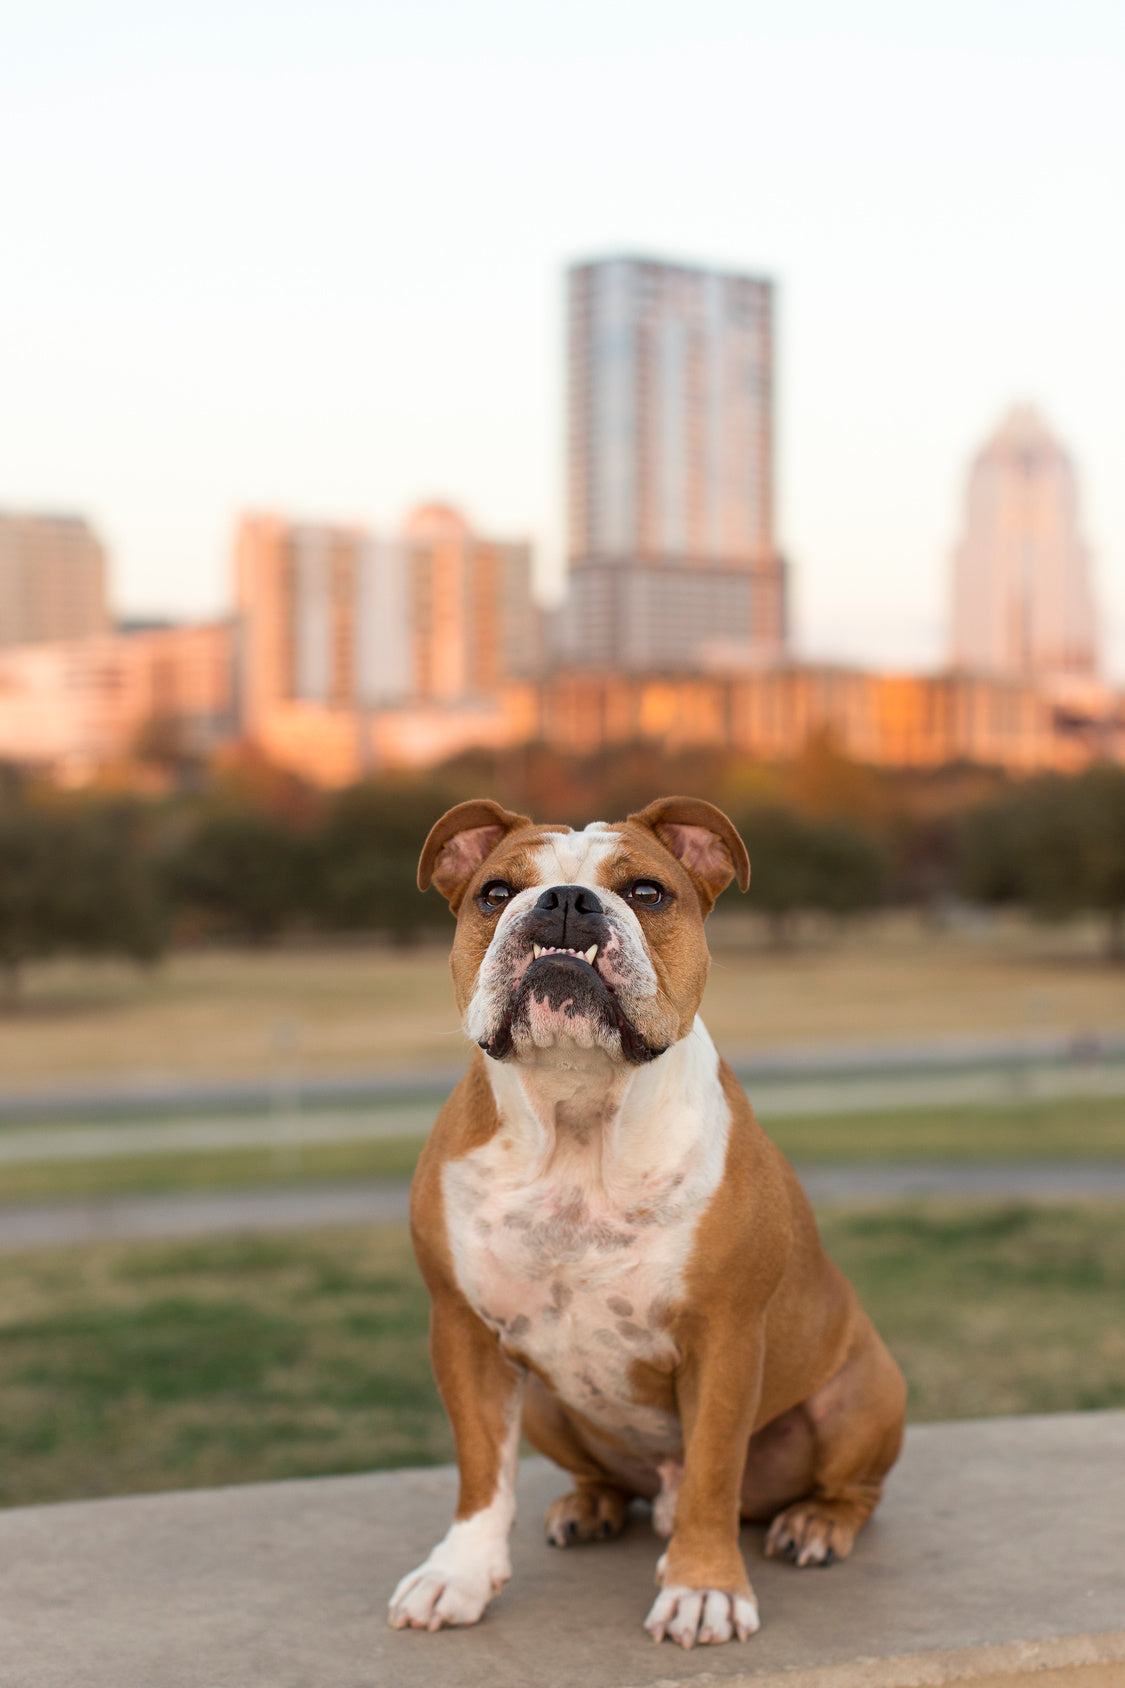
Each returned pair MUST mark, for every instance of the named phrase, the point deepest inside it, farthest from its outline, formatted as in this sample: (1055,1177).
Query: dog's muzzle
(565,931)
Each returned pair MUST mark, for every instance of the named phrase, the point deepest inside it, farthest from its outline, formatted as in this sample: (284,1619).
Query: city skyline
(1059,636)
(350,651)
(349,313)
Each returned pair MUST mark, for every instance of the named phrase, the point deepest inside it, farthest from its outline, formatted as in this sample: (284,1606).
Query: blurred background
(399,407)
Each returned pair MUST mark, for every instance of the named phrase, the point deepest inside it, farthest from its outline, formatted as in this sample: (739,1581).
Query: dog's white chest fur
(574,1249)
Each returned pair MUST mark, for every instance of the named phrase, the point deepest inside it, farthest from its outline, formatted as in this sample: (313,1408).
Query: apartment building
(346,637)
(672,556)
(52,579)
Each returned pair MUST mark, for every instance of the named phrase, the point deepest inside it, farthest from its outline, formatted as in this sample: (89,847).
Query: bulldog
(620,1261)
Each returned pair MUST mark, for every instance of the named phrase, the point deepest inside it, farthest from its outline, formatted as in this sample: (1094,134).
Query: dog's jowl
(620,1261)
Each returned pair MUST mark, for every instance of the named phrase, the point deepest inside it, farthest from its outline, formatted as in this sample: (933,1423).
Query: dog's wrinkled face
(581,940)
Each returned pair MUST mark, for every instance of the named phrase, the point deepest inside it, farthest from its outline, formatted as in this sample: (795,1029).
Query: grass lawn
(210,1013)
(131,1367)
(1066,1128)
(234,1169)
(1069,1128)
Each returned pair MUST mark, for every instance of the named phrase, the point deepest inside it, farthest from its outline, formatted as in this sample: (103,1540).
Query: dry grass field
(228,1013)
(130,1367)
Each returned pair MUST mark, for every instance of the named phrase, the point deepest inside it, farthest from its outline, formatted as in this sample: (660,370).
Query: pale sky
(309,257)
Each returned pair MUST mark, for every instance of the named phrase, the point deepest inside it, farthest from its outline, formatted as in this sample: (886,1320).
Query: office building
(52,579)
(1022,600)
(474,621)
(672,554)
(340,629)
(322,617)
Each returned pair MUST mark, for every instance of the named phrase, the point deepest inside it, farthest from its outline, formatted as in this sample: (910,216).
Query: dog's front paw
(441,1593)
(687,1615)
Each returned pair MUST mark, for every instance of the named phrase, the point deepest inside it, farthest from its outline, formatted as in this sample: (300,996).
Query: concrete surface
(989,1181)
(996,1557)
(299,1208)
(57,1224)
(30,1145)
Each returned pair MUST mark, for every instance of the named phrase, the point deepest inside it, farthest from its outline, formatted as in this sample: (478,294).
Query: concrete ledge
(996,1559)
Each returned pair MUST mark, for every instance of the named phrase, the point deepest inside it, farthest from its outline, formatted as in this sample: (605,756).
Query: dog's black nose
(570,899)
(567,917)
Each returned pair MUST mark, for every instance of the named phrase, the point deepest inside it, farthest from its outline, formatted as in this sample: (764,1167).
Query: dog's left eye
(495,894)
(647,893)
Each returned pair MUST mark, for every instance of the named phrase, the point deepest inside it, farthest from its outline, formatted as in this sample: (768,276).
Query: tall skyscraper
(52,580)
(670,498)
(337,617)
(1022,599)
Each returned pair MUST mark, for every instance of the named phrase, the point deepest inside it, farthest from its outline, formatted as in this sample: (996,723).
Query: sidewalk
(996,1557)
(298,1208)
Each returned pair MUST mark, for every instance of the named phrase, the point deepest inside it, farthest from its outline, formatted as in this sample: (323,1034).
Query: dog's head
(581,940)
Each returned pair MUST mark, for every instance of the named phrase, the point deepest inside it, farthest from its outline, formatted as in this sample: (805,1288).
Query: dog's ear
(701,837)
(460,841)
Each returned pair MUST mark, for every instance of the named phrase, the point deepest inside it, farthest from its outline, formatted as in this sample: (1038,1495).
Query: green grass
(131,1367)
(235,1169)
(136,1367)
(996,1309)
(1065,1128)
(1070,1128)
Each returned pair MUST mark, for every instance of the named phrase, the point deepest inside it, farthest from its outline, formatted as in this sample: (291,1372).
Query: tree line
(257,855)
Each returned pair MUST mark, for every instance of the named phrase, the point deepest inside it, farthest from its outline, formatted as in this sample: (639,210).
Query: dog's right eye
(648,893)
(494,895)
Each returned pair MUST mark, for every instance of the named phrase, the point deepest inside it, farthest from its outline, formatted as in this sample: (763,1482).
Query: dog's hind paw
(707,1615)
(812,1533)
(594,1512)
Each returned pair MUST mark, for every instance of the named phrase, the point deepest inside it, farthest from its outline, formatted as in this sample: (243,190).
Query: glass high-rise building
(673,562)
(1022,599)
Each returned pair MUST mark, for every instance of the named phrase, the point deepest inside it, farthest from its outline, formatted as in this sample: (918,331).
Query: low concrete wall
(997,1557)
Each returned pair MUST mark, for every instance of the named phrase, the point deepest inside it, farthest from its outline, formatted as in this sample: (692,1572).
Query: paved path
(999,1181)
(39,1143)
(56,1224)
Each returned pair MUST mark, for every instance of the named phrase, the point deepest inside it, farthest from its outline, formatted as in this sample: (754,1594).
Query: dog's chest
(577,1284)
